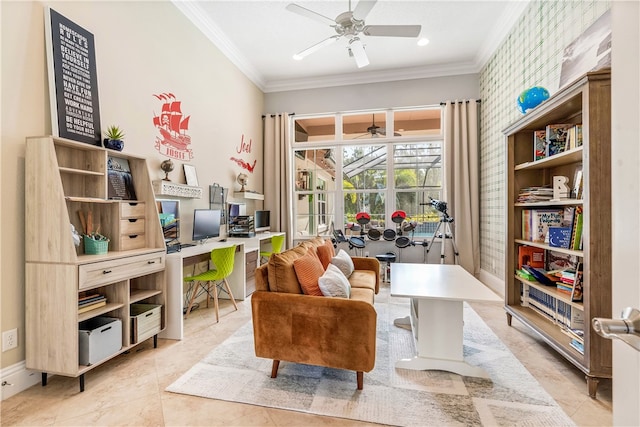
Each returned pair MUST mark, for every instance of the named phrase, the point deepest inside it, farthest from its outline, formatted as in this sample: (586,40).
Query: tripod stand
(445,226)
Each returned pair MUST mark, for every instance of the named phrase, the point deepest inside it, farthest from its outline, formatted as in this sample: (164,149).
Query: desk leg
(173,300)
(439,340)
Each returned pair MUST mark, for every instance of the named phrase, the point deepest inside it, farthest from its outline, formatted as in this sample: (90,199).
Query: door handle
(626,329)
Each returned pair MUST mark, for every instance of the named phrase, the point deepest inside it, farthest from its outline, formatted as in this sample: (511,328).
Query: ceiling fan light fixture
(357,49)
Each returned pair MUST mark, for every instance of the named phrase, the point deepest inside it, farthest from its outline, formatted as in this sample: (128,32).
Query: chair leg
(194,289)
(274,368)
(226,285)
(215,302)
(360,379)
(206,289)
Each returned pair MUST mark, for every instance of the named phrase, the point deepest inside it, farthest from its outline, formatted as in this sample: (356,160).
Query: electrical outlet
(366,254)
(9,339)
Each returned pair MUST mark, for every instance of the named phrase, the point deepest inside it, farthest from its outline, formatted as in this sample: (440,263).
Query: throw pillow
(343,261)
(325,255)
(333,283)
(308,270)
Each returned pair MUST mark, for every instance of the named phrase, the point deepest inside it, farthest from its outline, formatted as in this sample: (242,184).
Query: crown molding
(510,16)
(365,77)
(198,17)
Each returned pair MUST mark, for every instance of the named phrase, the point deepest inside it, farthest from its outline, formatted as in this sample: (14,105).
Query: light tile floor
(129,390)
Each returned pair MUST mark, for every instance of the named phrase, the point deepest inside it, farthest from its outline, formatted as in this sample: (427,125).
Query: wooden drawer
(132,210)
(132,226)
(145,321)
(132,241)
(101,273)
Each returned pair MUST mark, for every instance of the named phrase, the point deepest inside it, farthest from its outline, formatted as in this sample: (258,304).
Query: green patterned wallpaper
(529,56)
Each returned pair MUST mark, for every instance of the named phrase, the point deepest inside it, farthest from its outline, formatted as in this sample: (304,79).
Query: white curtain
(461,180)
(277,179)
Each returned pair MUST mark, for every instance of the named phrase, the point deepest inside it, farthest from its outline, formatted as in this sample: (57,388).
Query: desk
(437,294)
(174,270)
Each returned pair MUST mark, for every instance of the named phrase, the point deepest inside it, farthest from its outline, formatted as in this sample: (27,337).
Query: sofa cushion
(362,294)
(343,261)
(333,283)
(308,270)
(282,276)
(365,279)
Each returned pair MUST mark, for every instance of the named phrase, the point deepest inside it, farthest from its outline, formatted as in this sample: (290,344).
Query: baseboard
(17,378)
(495,283)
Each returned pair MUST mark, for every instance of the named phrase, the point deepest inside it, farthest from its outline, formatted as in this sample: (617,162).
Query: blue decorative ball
(531,98)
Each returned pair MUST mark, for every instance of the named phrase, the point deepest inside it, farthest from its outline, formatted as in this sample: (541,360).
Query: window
(375,162)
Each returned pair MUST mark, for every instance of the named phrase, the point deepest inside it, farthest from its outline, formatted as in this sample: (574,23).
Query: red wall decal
(173,140)
(244,164)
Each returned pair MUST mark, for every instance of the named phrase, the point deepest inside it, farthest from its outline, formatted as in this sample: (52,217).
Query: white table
(437,294)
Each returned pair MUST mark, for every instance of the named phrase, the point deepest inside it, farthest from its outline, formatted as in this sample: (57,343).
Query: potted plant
(113,138)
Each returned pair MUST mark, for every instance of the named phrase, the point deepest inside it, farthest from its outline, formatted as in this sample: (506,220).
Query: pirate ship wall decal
(173,140)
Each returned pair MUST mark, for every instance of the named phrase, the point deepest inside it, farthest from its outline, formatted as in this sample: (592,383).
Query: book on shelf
(556,138)
(535,194)
(576,237)
(539,144)
(576,292)
(93,306)
(560,261)
(91,301)
(84,297)
(578,134)
(541,220)
(531,256)
(578,345)
(560,237)
(576,192)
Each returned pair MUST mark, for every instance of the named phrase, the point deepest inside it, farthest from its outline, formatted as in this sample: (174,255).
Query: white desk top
(249,244)
(438,281)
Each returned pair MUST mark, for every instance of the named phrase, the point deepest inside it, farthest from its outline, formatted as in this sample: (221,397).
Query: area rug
(390,396)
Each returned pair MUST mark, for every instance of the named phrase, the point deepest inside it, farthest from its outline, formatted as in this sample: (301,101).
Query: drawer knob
(106,271)
(151,262)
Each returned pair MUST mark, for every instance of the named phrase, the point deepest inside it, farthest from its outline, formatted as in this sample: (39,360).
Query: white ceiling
(260,37)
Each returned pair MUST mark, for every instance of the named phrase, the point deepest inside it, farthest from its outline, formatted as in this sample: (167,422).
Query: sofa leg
(274,368)
(360,376)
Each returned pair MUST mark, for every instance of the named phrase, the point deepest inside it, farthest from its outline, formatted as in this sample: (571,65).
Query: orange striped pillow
(308,270)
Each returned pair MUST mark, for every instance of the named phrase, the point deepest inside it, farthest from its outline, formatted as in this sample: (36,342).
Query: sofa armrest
(333,332)
(366,263)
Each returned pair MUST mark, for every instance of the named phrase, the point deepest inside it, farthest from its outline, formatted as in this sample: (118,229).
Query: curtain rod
(273,115)
(460,102)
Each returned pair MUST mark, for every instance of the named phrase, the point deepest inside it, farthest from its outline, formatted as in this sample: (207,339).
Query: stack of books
(535,194)
(90,302)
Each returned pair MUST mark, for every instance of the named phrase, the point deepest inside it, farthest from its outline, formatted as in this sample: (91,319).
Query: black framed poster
(73,82)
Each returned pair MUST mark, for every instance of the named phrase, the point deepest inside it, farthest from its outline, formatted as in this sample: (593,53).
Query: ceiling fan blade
(292,7)
(316,47)
(363,8)
(392,30)
(357,49)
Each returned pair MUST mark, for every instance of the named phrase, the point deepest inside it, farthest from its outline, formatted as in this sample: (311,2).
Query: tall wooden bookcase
(62,178)
(586,101)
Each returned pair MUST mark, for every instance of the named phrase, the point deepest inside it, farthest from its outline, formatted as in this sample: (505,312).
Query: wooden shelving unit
(586,101)
(63,177)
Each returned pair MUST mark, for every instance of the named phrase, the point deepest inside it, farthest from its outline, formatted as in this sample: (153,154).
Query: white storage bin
(145,321)
(99,338)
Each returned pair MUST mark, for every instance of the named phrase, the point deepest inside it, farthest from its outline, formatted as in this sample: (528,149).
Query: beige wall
(142,48)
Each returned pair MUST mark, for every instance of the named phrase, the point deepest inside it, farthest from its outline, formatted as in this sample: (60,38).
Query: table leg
(439,338)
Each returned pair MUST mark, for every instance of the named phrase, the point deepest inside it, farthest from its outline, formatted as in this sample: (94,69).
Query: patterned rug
(391,396)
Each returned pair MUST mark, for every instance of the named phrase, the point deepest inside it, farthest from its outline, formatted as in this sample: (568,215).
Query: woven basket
(95,247)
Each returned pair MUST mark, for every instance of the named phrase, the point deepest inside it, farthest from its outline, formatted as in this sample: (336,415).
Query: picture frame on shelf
(190,175)
(120,179)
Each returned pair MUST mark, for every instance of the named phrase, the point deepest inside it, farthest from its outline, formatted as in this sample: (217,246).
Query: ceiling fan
(351,25)
(374,130)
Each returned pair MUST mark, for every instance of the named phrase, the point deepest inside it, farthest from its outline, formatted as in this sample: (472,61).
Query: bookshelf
(62,179)
(544,309)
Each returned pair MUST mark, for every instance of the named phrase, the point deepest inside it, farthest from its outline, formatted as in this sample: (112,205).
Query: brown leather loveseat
(316,330)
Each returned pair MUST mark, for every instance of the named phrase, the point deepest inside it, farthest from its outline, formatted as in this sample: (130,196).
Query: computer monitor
(206,224)
(262,221)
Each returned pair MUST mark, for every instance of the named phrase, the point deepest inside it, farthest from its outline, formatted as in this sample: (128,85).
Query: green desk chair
(214,280)
(277,242)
